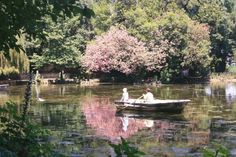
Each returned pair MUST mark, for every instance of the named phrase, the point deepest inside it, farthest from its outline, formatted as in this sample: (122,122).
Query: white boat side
(156,101)
(168,105)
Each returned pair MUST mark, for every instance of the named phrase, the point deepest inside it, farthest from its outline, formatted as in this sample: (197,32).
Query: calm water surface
(83,120)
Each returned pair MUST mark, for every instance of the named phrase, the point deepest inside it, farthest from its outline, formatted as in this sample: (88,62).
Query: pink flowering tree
(115,51)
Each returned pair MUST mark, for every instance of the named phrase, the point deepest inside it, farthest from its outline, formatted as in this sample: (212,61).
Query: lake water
(83,120)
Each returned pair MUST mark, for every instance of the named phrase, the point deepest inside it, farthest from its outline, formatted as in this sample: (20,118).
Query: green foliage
(21,138)
(219,151)
(18,60)
(64,45)
(103,21)
(9,73)
(139,24)
(218,15)
(166,75)
(232,69)
(174,26)
(201,33)
(167,31)
(25,16)
(124,148)
(137,17)
(189,41)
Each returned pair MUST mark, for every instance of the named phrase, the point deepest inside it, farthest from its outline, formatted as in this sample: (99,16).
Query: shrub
(125,149)
(21,138)
(9,73)
(218,151)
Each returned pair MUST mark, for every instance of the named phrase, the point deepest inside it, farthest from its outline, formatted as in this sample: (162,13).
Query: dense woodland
(132,39)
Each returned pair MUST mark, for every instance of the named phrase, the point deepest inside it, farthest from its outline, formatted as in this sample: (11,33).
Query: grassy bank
(222,77)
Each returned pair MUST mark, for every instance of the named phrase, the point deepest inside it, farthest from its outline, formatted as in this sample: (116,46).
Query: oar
(137,99)
(131,104)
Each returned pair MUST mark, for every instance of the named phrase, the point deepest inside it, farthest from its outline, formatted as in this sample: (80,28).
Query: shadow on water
(151,115)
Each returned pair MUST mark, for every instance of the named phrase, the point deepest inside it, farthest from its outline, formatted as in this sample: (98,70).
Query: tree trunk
(28,93)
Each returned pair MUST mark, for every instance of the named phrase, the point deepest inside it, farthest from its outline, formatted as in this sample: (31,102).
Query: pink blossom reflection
(100,115)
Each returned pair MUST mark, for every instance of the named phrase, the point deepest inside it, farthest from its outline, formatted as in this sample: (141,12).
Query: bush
(125,149)
(9,73)
(21,138)
(217,151)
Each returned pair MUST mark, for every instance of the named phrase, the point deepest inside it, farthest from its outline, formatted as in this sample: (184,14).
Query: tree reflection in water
(227,90)
(100,115)
(230,93)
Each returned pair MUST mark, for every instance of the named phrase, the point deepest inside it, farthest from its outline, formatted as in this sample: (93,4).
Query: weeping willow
(17,62)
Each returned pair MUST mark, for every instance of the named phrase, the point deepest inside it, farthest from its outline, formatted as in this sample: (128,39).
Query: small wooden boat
(175,106)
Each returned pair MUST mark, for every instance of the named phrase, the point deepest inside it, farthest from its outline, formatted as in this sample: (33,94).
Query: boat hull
(175,106)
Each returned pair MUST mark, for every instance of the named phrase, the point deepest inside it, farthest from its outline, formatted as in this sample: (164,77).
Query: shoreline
(222,80)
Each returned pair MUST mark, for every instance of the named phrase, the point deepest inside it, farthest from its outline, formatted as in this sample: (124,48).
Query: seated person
(148,96)
(125,95)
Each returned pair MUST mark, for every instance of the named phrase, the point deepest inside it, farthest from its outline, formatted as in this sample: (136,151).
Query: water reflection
(101,115)
(37,90)
(216,90)
(208,90)
(125,123)
(162,130)
(84,120)
(3,96)
(230,92)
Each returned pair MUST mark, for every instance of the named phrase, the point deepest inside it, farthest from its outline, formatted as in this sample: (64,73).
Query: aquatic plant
(218,151)
(124,148)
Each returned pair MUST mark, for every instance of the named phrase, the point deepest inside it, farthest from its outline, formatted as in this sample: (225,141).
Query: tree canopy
(116,50)
(174,40)
(171,36)
(64,44)
(25,16)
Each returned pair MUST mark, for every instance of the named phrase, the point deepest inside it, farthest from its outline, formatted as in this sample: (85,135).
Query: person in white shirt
(148,96)
(125,95)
